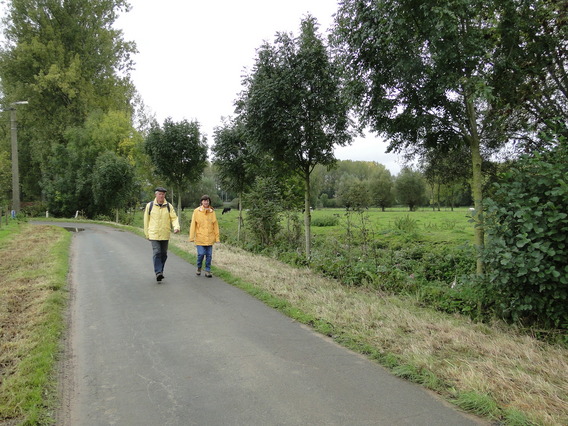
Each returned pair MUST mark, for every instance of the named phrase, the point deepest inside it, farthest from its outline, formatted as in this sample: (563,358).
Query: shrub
(325,221)
(527,240)
(406,224)
(34,209)
(263,220)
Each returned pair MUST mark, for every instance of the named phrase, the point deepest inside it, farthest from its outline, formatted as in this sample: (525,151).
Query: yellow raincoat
(204,229)
(158,224)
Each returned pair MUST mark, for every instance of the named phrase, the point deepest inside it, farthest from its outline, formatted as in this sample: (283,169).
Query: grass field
(445,225)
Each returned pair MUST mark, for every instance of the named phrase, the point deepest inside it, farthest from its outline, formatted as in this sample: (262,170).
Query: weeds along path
(33,294)
(488,369)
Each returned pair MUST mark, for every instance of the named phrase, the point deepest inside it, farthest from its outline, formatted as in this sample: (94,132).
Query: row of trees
(86,142)
(72,66)
(364,184)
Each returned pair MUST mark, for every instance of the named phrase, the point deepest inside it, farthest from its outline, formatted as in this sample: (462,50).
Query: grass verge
(33,295)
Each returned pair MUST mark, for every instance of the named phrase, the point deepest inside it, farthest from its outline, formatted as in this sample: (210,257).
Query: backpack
(151,205)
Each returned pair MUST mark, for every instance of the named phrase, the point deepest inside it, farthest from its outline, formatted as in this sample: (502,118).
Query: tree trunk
(240,217)
(307,217)
(179,203)
(476,186)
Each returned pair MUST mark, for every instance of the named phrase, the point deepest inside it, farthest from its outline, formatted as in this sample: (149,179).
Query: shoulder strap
(151,204)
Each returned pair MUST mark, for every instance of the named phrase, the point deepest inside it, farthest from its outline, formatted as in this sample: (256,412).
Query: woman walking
(204,231)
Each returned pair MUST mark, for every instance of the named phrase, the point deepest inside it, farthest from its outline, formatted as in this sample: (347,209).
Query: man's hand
(176,231)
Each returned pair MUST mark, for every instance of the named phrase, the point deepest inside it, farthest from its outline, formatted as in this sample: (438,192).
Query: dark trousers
(160,254)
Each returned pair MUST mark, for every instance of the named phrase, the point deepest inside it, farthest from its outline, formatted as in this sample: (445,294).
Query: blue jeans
(207,252)
(160,254)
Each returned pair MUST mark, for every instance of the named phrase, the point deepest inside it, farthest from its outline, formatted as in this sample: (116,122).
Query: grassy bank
(33,296)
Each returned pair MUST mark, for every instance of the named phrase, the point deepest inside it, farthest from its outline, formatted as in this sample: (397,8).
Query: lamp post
(15,168)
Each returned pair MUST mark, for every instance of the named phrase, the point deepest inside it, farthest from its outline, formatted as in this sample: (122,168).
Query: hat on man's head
(160,189)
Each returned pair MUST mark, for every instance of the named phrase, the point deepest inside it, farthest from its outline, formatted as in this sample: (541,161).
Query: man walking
(159,218)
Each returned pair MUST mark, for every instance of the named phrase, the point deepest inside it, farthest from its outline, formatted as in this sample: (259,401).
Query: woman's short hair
(205,197)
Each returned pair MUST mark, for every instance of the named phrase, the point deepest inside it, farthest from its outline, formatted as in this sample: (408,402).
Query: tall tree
(422,74)
(70,171)
(381,187)
(293,108)
(532,59)
(353,193)
(410,188)
(234,161)
(445,168)
(67,60)
(178,152)
(114,184)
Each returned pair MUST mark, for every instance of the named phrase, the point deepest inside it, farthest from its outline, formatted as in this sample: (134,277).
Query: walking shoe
(208,274)
(159,276)
(198,272)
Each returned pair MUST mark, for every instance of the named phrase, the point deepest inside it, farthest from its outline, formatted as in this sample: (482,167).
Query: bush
(325,221)
(406,224)
(34,209)
(527,241)
(263,220)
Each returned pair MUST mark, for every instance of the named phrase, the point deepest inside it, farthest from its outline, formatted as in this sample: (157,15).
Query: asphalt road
(197,351)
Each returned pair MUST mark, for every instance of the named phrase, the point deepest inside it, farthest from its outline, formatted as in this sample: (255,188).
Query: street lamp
(15,168)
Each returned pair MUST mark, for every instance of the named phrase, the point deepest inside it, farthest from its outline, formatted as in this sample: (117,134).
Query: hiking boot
(159,276)
(208,274)
(198,272)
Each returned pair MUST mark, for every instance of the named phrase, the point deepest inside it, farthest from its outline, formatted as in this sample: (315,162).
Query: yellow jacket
(204,229)
(159,222)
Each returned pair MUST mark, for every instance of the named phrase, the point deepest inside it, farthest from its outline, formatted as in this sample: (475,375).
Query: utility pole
(15,166)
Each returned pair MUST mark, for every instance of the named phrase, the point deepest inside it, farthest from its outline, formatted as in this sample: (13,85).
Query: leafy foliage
(113,182)
(410,188)
(532,59)
(527,246)
(293,108)
(263,219)
(178,152)
(353,193)
(68,183)
(234,161)
(424,75)
(67,59)
(381,188)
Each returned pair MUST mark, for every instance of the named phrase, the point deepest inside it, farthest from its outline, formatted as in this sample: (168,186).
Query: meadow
(446,225)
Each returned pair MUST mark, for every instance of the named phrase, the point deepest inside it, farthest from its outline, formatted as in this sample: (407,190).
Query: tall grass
(33,295)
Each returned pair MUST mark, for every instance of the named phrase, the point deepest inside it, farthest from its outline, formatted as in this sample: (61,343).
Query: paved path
(197,351)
